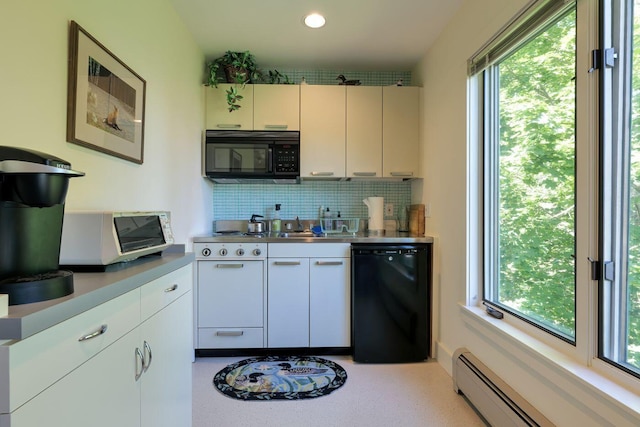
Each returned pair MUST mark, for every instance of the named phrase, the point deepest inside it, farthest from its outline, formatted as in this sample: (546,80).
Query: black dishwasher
(391,302)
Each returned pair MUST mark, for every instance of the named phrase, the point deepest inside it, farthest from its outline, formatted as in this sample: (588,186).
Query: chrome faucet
(299,224)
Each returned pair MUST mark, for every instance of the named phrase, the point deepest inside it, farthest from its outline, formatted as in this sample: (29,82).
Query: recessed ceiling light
(314,20)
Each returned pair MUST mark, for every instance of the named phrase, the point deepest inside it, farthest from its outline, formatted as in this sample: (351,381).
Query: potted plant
(240,68)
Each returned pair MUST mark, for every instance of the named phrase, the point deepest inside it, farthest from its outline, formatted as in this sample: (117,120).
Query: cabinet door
(400,131)
(276,107)
(288,302)
(166,340)
(231,294)
(364,131)
(329,302)
(103,392)
(322,131)
(217,111)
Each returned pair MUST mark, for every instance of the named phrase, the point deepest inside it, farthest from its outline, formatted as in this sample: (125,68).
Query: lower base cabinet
(309,295)
(100,393)
(166,382)
(142,379)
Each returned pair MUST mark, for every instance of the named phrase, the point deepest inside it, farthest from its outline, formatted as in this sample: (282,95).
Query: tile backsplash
(240,201)
(329,77)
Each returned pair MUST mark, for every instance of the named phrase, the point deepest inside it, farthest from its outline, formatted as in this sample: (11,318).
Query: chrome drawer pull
(99,332)
(139,372)
(146,363)
(276,126)
(229,265)
(230,333)
(401,173)
(228,126)
(329,262)
(364,174)
(286,263)
(321,173)
(172,288)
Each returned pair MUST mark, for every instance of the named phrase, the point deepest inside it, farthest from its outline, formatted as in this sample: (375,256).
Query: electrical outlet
(388,209)
(427,210)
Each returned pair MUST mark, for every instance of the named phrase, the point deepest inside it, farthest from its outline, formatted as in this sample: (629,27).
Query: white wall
(443,75)
(564,396)
(150,38)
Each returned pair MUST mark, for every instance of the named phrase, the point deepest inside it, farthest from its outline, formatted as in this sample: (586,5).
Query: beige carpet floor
(412,394)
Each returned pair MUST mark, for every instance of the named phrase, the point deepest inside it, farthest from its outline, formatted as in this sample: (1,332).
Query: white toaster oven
(98,238)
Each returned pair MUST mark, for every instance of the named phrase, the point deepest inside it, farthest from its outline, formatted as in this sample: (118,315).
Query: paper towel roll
(376,212)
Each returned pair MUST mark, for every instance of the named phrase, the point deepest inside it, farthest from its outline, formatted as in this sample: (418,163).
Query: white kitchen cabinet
(217,114)
(400,131)
(102,392)
(309,295)
(322,131)
(329,302)
(167,347)
(276,107)
(288,302)
(364,131)
(231,303)
(125,372)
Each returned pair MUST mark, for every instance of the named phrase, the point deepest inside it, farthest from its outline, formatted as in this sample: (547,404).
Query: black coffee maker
(33,187)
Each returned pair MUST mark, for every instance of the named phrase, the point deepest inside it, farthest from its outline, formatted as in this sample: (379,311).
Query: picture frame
(105,99)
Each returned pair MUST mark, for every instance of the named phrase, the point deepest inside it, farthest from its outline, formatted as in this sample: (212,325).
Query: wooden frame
(106,99)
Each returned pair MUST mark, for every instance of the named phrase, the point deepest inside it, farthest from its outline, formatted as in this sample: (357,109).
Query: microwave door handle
(270,161)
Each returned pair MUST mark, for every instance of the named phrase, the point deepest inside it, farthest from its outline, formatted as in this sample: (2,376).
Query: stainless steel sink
(294,234)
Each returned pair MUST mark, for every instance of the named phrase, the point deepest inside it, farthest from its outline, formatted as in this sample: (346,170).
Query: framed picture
(105,104)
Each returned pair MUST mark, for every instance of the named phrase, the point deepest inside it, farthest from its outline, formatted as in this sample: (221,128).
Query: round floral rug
(280,377)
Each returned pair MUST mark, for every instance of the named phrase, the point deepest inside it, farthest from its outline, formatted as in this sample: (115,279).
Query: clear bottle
(339,222)
(275,221)
(328,222)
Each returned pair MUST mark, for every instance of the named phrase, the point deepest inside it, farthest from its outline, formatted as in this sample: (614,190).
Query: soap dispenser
(275,222)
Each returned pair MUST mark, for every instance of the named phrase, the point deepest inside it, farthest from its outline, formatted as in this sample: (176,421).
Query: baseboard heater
(494,399)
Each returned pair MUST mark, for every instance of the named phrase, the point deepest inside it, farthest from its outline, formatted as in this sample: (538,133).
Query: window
(529,170)
(619,291)
(547,207)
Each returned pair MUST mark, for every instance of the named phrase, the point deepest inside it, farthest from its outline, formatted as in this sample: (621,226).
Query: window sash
(536,14)
(490,81)
(615,167)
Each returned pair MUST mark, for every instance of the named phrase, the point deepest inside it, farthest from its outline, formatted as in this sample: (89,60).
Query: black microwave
(237,156)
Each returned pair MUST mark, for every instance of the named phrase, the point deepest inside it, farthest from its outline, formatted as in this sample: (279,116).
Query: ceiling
(360,35)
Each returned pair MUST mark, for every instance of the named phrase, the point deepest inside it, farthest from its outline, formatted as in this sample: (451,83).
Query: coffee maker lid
(14,160)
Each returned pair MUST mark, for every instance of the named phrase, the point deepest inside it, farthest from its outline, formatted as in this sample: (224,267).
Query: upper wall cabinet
(364,131)
(322,131)
(217,111)
(263,107)
(276,107)
(401,131)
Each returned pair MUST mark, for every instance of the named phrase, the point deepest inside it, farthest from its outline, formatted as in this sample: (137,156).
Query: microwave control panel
(286,158)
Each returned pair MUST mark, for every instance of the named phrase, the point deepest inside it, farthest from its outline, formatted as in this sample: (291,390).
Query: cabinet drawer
(163,291)
(305,250)
(230,338)
(35,363)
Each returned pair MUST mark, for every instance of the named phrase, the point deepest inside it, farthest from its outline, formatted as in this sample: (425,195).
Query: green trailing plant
(276,77)
(233,97)
(240,68)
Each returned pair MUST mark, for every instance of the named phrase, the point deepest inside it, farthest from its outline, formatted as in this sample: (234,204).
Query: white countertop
(389,237)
